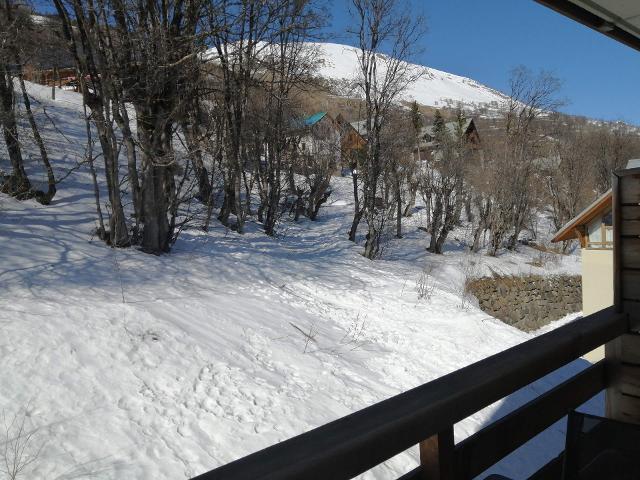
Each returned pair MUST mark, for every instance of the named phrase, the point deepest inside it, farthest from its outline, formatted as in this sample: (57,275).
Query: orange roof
(602,204)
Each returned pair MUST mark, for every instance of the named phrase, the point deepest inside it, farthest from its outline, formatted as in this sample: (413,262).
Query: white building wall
(597,287)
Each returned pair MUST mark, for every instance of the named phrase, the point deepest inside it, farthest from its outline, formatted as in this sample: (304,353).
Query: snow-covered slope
(130,366)
(436,88)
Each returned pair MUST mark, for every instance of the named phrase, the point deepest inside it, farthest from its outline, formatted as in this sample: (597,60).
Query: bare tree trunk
(195,154)
(121,117)
(237,196)
(94,177)
(436,222)
(398,207)
(18,183)
(411,202)
(357,214)
(157,187)
(90,60)
(53,82)
(118,233)
(46,198)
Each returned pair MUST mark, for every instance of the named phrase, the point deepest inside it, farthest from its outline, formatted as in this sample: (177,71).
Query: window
(600,232)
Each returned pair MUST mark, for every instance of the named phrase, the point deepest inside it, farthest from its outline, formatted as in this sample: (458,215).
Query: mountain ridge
(436,88)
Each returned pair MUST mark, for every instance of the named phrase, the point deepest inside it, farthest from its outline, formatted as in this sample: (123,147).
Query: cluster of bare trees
(506,189)
(201,96)
(442,187)
(204,99)
(388,26)
(196,104)
(19,40)
(194,108)
(539,163)
(532,163)
(584,156)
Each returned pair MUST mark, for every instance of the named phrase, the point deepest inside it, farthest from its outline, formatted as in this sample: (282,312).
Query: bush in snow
(19,451)
(425,284)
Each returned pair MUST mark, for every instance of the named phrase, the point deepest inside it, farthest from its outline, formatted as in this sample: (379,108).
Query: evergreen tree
(461,120)
(416,117)
(440,133)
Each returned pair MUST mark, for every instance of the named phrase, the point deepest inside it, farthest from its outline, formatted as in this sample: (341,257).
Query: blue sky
(484,39)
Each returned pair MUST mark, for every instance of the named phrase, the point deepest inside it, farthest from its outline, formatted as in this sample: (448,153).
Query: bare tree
(388,26)
(19,451)
(91,51)
(514,164)
(610,147)
(532,96)
(417,123)
(567,175)
(159,45)
(397,146)
(288,63)
(17,183)
(237,31)
(318,158)
(443,180)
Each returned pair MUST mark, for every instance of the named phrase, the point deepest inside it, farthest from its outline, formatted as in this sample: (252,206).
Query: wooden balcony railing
(425,415)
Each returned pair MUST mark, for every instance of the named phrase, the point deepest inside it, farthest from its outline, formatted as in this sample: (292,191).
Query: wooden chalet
(593,227)
(605,448)
(429,146)
(320,135)
(53,77)
(352,143)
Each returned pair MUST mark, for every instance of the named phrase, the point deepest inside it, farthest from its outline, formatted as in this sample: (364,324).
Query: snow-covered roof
(551,161)
(633,163)
(360,126)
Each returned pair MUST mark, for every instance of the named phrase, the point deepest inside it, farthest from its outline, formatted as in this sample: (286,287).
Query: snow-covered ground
(435,88)
(131,366)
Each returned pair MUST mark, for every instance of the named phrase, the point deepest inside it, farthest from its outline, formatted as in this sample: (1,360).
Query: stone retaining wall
(528,302)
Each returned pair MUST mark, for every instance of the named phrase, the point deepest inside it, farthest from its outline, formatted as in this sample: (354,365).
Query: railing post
(436,456)
(622,354)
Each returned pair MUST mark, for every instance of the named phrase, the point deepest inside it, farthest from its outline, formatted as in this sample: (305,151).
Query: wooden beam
(551,471)
(623,393)
(491,444)
(436,456)
(591,20)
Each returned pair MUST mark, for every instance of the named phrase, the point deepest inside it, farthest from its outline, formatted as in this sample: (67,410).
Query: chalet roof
(313,119)
(601,205)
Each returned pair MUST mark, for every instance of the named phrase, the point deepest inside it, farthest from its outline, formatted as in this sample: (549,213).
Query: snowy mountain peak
(435,88)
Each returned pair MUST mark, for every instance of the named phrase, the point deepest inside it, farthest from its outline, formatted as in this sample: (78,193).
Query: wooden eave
(572,228)
(599,17)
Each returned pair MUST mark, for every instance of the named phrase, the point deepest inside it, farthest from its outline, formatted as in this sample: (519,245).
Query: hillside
(131,366)
(436,88)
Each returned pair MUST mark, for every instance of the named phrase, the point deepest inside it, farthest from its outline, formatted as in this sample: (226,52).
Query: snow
(131,366)
(436,88)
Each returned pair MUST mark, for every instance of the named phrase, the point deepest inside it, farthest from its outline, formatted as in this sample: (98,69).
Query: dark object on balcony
(600,448)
